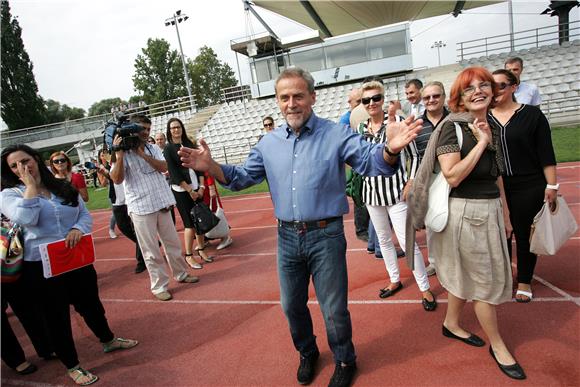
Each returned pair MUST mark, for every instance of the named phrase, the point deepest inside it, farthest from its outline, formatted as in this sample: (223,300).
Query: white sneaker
(225,243)
(112,234)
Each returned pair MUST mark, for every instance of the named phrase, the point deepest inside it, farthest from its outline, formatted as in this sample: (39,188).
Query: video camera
(128,131)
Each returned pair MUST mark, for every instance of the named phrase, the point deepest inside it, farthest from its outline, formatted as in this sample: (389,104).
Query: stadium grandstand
(347,43)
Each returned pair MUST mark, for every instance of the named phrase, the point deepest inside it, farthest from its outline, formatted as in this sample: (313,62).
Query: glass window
(262,71)
(310,60)
(343,54)
(385,46)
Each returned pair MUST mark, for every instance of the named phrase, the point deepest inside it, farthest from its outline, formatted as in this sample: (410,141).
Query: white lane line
(568,167)
(19,382)
(248,197)
(312,302)
(567,296)
(556,289)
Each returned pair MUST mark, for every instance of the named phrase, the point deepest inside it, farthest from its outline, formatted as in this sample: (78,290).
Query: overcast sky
(84,51)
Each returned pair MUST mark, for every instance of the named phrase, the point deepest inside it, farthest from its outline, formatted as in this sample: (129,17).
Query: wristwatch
(389,151)
(553,186)
(202,186)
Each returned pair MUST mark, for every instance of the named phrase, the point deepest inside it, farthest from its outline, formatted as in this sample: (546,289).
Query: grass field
(566,144)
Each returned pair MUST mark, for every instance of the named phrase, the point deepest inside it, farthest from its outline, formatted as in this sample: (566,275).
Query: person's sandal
(81,376)
(208,259)
(119,343)
(191,262)
(527,296)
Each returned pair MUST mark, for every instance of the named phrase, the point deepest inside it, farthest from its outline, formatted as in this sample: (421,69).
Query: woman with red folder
(49,210)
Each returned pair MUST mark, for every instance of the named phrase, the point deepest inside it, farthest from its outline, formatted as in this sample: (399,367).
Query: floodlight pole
(175,21)
(438,44)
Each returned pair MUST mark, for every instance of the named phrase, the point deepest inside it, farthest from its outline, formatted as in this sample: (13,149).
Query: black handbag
(203,219)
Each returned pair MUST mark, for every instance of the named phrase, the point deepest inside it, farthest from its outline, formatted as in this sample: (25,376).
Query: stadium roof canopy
(333,18)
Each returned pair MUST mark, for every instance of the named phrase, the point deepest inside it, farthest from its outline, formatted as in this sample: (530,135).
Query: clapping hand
(400,134)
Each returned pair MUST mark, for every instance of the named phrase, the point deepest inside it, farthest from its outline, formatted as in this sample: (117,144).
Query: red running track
(229,330)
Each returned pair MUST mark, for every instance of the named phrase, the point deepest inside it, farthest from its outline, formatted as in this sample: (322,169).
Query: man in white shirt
(413,93)
(526,92)
(149,200)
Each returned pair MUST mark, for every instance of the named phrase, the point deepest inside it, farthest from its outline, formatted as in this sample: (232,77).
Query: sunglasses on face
(503,85)
(58,161)
(268,125)
(428,97)
(374,98)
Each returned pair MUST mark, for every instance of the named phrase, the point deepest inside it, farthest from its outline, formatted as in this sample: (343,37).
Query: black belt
(311,225)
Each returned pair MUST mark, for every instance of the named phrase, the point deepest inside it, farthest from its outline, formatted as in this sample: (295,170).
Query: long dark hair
(61,188)
(511,77)
(186,141)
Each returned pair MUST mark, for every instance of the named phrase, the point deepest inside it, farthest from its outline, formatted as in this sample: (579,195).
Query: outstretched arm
(200,160)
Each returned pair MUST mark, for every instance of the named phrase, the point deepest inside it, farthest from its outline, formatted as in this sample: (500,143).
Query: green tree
(55,112)
(105,105)
(158,72)
(209,76)
(22,107)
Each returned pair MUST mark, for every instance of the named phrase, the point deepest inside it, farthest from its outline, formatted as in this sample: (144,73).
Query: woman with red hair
(472,256)
(61,168)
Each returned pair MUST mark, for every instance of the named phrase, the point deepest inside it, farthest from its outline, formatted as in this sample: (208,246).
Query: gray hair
(296,72)
(434,83)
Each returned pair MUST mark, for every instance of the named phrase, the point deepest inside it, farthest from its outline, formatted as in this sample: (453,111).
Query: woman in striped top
(383,195)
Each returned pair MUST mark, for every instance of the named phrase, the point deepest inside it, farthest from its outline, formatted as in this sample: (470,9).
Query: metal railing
(562,110)
(526,39)
(236,93)
(82,125)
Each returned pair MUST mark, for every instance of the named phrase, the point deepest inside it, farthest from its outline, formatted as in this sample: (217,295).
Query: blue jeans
(322,254)
(373,242)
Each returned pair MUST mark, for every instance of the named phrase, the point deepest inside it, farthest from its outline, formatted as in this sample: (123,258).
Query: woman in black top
(187,187)
(530,174)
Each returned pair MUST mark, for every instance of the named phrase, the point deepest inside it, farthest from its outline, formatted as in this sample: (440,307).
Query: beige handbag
(551,229)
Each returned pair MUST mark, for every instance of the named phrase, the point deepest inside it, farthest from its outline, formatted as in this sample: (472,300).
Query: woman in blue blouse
(49,210)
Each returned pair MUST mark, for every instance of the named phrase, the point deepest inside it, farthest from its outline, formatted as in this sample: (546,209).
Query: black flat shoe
(30,368)
(386,292)
(429,306)
(514,371)
(474,340)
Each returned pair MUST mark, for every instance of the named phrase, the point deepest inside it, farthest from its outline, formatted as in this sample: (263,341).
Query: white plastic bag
(551,229)
(222,230)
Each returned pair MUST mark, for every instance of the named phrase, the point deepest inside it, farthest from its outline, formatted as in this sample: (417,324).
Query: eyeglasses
(503,85)
(58,161)
(374,98)
(468,91)
(428,97)
(269,125)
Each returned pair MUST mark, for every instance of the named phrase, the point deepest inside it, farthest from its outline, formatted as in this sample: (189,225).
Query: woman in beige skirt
(472,256)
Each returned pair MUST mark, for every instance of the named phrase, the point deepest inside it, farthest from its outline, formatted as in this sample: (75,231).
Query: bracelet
(202,187)
(391,153)
(553,186)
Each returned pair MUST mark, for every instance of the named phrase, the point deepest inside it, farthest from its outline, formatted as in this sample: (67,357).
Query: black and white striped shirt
(382,190)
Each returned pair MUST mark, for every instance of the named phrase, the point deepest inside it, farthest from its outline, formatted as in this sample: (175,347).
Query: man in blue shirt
(353,101)
(304,162)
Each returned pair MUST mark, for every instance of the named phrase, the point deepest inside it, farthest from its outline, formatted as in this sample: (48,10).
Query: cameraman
(149,200)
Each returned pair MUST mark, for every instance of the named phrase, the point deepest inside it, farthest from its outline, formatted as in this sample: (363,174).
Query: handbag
(438,209)
(202,217)
(11,251)
(222,229)
(551,229)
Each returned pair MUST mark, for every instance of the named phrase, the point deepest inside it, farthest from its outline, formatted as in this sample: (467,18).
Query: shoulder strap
(459,134)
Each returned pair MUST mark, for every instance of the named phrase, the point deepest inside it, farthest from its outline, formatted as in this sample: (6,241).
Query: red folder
(58,259)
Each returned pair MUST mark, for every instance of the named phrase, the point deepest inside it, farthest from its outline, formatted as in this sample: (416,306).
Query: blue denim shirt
(43,220)
(306,173)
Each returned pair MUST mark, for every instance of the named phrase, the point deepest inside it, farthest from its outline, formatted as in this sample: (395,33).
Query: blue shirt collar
(308,126)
